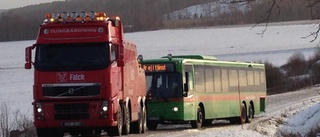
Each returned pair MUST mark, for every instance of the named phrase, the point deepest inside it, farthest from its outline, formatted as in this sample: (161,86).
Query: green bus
(198,89)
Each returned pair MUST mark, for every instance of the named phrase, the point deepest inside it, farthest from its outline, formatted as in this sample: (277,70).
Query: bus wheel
(200,119)
(243,116)
(250,114)
(127,121)
(152,125)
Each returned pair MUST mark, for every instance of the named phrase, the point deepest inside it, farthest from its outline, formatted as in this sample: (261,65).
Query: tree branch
(266,19)
(314,34)
(234,1)
(312,5)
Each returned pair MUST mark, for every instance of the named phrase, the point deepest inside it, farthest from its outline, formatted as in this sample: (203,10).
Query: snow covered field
(235,43)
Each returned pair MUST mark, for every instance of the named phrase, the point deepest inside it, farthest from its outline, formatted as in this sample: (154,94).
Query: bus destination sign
(158,67)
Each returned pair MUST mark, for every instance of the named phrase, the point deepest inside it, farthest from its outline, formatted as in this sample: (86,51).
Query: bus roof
(200,59)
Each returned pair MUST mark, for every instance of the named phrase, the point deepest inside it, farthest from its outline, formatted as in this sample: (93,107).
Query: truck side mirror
(28,57)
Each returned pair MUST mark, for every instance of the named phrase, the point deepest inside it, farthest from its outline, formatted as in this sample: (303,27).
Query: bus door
(190,106)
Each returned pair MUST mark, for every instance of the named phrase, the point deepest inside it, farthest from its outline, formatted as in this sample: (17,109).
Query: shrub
(274,78)
(19,125)
(296,65)
(4,120)
(314,67)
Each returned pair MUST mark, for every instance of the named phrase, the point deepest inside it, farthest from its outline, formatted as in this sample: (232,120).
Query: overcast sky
(9,4)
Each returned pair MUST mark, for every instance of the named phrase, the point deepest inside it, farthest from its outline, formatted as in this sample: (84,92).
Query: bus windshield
(72,57)
(164,85)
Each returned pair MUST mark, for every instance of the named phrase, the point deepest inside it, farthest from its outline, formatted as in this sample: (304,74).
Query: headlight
(83,15)
(65,15)
(39,110)
(175,109)
(74,15)
(55,16)
(92,14)
(104,107)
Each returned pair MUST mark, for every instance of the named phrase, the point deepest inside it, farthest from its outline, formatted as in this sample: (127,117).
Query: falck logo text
(63,77)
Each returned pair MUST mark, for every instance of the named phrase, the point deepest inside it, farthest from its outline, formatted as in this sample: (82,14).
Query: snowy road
(279,108)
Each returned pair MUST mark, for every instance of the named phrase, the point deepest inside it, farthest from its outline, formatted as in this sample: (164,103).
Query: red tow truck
(87,78)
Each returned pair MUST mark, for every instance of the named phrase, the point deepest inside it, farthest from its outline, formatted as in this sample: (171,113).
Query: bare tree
(312,5)
(4,120)
(22,125)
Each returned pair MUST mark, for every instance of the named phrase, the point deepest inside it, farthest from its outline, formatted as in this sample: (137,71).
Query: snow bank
(298,119)
(302,123)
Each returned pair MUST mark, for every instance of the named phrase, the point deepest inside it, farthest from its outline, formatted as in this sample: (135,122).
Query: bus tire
(250,113)
(127,120)
(152,125)
(243,116)
(200,119)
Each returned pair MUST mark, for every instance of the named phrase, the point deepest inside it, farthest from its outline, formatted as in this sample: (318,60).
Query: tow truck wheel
(144,119)
(137,126)
(48,132)
(127,121)
(41,132)
(117,131)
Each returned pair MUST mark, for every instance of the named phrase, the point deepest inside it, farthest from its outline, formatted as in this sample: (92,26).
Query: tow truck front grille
(71,90)
(71,111)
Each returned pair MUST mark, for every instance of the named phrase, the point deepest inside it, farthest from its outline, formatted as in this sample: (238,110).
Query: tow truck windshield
(72,57)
